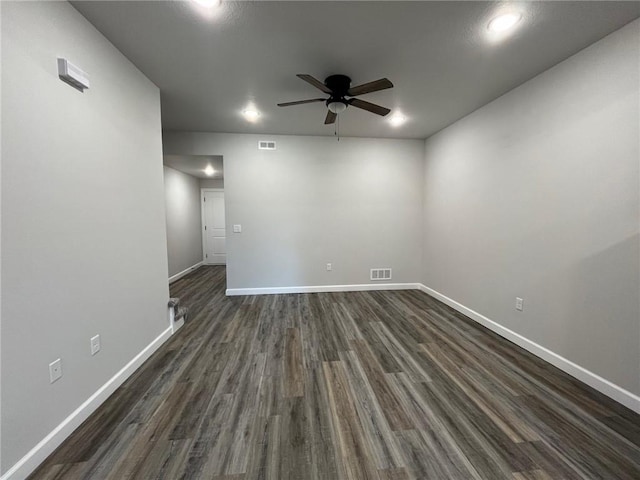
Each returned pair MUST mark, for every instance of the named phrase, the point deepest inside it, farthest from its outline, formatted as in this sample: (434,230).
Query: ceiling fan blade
(315,82)
(381,84)
(300,102)
(331,118)
(369,107)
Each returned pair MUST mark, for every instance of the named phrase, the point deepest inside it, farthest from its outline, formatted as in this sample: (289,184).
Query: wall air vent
(380,274)
(266,145)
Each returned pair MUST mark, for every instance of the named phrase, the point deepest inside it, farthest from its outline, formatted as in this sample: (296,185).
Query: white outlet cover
(519,304)
(329,267)
(55,370)
(95,344)
(237,228)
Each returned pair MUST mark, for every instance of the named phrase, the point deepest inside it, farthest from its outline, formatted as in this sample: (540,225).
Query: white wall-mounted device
(71,74)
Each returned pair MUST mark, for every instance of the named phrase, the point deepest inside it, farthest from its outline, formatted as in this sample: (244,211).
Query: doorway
(214,249)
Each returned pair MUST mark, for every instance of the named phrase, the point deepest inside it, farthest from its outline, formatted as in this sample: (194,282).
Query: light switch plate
(237,229)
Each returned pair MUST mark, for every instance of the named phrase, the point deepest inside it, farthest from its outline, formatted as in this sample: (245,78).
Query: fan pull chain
(337,127)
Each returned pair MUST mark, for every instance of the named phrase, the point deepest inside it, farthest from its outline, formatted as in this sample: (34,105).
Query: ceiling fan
(338,87)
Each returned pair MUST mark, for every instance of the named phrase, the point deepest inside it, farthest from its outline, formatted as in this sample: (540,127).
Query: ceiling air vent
(266,145)
(380,274)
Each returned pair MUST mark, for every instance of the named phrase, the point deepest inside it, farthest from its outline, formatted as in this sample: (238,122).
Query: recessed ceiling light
(208,3)
(250,114)
(397,119)
(209,171)
(504,22)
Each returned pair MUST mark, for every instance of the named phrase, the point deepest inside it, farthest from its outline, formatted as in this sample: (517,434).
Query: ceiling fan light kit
(338,87)
(336,107)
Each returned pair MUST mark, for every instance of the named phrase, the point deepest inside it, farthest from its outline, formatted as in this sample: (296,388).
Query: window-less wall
(356,204)
(83,223)
(536,195)
(184,230)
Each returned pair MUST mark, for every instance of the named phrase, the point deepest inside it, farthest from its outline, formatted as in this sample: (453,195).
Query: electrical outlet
(237,228)
(519,304)
(55,370)
(329,267)
(95,344)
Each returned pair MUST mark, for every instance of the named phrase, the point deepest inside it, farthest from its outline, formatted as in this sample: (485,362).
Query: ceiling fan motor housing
(339,85)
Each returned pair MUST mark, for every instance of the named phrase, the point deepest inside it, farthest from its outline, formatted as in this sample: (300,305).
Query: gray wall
(212,183)
(356,203)
(184,230)
(537,195)
(83,224)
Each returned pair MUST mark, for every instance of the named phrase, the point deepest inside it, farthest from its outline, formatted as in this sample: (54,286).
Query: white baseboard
(27,464)
(323,288)
(176,325)
(617,393)
(178,276)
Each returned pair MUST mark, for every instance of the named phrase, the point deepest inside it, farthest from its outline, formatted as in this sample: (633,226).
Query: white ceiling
(195,164)
(438,54)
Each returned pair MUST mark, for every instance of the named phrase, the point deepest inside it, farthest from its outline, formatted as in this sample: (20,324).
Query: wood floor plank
(311,351)
(403,358)
(420,463)
(321,428)
(209,442)
(347,323)
(384,356)
(294,454)
(545,459)
(144,450)
(373,422)
(396,416)
(488,449)
(263,460)
(333,334)
(68,471)
(173,464)
(532,475)
(354,452)
(445,457)
(394,474)
(52,472)
(111,454)
(293,366)
(239,424)
(382,385)
(494,411)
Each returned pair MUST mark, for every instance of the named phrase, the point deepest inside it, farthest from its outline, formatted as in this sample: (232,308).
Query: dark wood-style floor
(366,385)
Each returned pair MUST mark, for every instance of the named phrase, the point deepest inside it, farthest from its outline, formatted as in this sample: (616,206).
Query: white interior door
(214,238)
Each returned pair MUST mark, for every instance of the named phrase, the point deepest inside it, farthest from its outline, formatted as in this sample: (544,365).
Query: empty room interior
(324,240)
